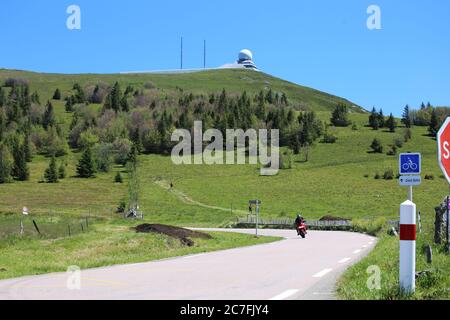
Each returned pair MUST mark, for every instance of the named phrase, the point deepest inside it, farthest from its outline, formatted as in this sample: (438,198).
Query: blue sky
(321,44)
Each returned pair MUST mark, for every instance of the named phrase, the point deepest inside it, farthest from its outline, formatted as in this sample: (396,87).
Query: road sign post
(443,142)
(408,246)
(256,203)
(409,169)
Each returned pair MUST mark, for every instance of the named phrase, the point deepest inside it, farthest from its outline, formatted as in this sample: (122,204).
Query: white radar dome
(245,55)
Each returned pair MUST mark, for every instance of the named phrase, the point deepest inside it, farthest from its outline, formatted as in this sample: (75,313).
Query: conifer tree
(434,123)
(406,117)
(62,171)
(6,163)
(49,116)
(86,166)
(57,95)
(391,123)
(50,175)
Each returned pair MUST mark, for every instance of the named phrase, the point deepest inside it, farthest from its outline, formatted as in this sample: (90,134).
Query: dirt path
(186,199)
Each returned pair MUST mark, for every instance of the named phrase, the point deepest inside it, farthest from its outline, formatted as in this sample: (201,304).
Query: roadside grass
(104,245)
(434,284)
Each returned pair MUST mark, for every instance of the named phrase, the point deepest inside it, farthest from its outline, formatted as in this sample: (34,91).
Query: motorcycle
(301,229)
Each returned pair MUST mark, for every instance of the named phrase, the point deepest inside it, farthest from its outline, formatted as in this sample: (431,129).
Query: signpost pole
(410,193)
(407,247)
(257,218)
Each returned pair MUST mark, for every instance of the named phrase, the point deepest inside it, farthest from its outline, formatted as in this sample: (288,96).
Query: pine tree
(339,117)
(376,146)
(373,119)
(79,96)
(6,163)
(49,116)
(406,117)
(27,149)
(20,169)
(391,123)
(115,97)
(57,95)
(381,121)
(86,166)
(434,123)
(50,174)
(62,171)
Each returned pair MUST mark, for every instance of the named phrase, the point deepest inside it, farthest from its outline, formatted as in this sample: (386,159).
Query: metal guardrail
(290,222)
(310,223)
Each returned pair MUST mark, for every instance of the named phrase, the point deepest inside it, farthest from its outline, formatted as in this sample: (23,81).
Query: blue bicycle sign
(409,163)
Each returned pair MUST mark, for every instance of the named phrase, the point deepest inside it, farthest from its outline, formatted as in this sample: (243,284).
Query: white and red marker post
(408,247)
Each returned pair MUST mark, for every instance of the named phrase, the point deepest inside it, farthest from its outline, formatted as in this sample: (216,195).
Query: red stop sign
(443,140)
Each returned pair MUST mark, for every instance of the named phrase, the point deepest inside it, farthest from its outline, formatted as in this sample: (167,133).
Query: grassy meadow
(338,179)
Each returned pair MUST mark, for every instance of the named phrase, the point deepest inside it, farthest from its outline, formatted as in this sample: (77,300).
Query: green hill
(210,81)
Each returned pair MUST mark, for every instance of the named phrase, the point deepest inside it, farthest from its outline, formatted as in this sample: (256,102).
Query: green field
(337,180)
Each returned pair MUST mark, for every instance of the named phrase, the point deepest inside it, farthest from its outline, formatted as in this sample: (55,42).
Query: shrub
(388,174)
(118,178)
(429,177)
(377,176)
(339,117)
(398,142)
(103,154)
(393,151)
(407,135)
(286,159)
(329,138)
(62,171)
(376,146)
(122,148)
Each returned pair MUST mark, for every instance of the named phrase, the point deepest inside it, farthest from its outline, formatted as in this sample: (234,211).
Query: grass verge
(434,284)
(104,245)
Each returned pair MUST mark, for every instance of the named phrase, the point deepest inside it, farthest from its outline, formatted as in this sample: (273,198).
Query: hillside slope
(210,81)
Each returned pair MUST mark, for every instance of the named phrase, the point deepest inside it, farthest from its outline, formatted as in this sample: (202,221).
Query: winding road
(292,268)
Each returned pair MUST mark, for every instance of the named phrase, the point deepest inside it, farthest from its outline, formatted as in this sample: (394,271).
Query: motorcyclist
(298,221)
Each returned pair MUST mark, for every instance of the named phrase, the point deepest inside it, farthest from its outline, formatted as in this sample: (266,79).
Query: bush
(62,171)
(122,148)
(376,146)
(429,177)
(398,142)
(393,151)
(377,176)
(354,127)
(103,154)
(286,159)
(407,135)
(339,117)
(118,178)
(329,138)
(388,175)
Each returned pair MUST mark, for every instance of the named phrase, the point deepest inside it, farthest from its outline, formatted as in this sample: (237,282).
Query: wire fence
(43,227)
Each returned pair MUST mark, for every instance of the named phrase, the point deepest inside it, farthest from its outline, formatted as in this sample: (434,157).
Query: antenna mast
(181,53)
(204,54)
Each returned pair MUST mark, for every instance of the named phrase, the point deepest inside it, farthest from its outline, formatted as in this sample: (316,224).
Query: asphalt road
(292,268)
